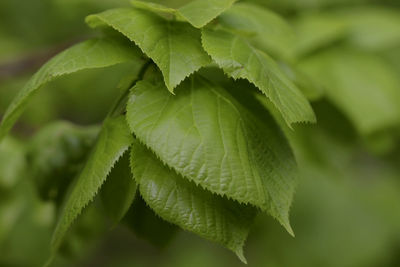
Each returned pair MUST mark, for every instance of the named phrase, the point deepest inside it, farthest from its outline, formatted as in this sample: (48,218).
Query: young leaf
(90,54)
(271,33)
(55,155)
(363,86)
(209,138)
(174,46)
(118,192)
(183,203)
(114,139)
(240,60)
(198,13)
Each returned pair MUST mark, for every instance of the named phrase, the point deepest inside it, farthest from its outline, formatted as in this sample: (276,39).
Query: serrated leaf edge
(237,247)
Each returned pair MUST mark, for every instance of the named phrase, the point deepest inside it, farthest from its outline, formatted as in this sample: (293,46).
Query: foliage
(208,132)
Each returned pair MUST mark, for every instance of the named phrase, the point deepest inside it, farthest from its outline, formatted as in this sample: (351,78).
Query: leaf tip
(239,253)
(171,90)
(286,224)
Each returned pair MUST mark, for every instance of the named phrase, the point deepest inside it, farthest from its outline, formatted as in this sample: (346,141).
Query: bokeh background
(346,210)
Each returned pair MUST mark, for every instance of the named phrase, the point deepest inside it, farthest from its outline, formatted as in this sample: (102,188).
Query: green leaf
(118,192)
(201,12)
(148,225)
(55,155)
(269,31)
(90,54)
(198,13)
(114,139)
(240,60)
(183,203)
(209,138)
(174,46)
(361,85)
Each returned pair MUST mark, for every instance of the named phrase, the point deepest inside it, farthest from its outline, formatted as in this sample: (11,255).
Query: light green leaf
(240,60)
(114,139)
(209,138)
(270,32)
(90,54)
(183,203)
(174,46)
(118,192)
(361,85)
(198,13)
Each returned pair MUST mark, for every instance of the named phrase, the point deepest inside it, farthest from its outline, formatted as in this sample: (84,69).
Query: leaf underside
(174,46)
(241,60)
(181,202)
(146,224)
(210,139)
(90,54)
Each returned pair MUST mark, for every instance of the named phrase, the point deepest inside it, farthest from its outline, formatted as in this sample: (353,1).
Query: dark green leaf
(147,225)
(209,138)
(183,203)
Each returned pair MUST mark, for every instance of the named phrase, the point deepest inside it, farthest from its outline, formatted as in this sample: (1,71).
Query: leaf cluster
(202,136)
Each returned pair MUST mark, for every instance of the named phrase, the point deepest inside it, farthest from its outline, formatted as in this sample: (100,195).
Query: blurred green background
(347,207)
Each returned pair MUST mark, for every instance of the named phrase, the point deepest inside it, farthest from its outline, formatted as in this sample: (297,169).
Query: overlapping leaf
(198,12)
(174,46)
(267,30)
(114,139)
(183,203)
(209,138)
(87,55)
(240,60)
